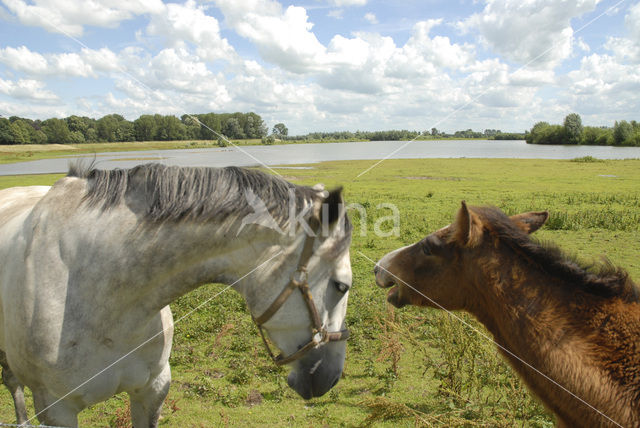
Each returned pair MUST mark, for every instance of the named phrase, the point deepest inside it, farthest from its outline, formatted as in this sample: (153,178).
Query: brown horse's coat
(579,327)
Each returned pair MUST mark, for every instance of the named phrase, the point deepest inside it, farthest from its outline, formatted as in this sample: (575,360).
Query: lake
(309,153)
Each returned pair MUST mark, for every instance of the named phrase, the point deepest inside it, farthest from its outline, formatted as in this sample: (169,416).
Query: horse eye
(340,286)
(431,245)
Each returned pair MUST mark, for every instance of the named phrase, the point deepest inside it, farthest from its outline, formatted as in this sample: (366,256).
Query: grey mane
(172,193)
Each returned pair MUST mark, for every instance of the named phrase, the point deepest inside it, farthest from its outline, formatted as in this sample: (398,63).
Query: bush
(543,133)
(268,140)
(597,136)
(586,159)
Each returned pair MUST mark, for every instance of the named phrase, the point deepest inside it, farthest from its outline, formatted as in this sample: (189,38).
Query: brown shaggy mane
(604,279)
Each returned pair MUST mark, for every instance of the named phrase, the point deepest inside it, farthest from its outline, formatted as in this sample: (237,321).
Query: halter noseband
(319,333)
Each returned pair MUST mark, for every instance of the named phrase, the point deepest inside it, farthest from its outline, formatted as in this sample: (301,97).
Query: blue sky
(325,65)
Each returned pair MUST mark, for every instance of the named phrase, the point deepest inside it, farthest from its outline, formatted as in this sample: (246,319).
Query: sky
(326,65)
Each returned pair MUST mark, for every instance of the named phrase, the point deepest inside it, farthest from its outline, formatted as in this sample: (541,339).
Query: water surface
(318,152)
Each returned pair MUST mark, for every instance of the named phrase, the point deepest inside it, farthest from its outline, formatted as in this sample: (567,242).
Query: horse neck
(187,256)
(542,325)
(516,302)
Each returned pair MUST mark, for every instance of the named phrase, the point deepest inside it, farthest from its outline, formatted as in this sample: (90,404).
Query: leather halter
(319,333)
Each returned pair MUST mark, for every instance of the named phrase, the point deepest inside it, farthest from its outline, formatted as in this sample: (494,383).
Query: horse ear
(468,230)
(332,206)
(530,222)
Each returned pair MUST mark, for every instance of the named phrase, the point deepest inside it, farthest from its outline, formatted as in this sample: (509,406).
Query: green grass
(404,367)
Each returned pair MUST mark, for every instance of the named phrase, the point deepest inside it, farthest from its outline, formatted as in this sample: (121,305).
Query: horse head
(303,306)
(435,271)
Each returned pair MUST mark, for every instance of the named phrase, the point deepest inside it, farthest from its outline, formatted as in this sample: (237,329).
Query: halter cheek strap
(299,281)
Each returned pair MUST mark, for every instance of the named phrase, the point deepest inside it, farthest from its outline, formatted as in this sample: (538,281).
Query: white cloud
(336,13)
(582,45)
(628,48)
(177,69)
(437,50)
(604,81)
(426,57)
(537,33)
(36,109)
(22,59)
(27,89)
(71,16)
(282,37)
(174,79)
(188,22)
(532,78)
(86,63)
(371,18)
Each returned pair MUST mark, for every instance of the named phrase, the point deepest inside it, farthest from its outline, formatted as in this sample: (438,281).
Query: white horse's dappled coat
(87,271)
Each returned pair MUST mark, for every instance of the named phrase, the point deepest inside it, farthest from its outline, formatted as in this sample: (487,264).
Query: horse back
(19,200)
(16,203)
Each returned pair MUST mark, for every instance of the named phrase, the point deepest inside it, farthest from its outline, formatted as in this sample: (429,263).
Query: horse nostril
(376,269)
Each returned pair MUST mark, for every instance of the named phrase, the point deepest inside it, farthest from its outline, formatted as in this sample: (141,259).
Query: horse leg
(146,402)
(15,388)
(52,411)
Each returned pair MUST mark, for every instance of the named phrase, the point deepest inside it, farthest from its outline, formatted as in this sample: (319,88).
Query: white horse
(14,204)
(88,268)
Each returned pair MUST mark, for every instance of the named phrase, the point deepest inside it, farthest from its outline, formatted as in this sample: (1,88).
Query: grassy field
(409,367)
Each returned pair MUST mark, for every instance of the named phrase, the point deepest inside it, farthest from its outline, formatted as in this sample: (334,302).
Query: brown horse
(571,332)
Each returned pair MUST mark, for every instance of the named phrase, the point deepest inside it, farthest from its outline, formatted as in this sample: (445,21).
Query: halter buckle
(319,337)
(299,277)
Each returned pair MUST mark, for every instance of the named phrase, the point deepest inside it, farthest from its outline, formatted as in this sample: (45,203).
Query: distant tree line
(572,131)
(208,126)
(405,135)
(115,128)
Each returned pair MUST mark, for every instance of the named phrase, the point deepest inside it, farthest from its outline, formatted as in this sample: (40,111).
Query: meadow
(408,367)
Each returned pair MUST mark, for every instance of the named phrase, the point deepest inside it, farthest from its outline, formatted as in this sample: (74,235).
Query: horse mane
(173,193)
(601,279)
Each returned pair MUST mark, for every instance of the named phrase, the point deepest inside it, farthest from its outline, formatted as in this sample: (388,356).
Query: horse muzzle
(385,279)
(318,371)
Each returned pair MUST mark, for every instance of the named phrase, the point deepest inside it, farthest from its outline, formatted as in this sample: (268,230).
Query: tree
(80,124)
(622,131)
(211,125)
(76,137)
(192,126)
(6,136)
(56,130)
(280,130)
(573,128)
(107,127)
(169,128)
(144,128)
(21,131)
(254,126)
(114,127)
(232,128)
